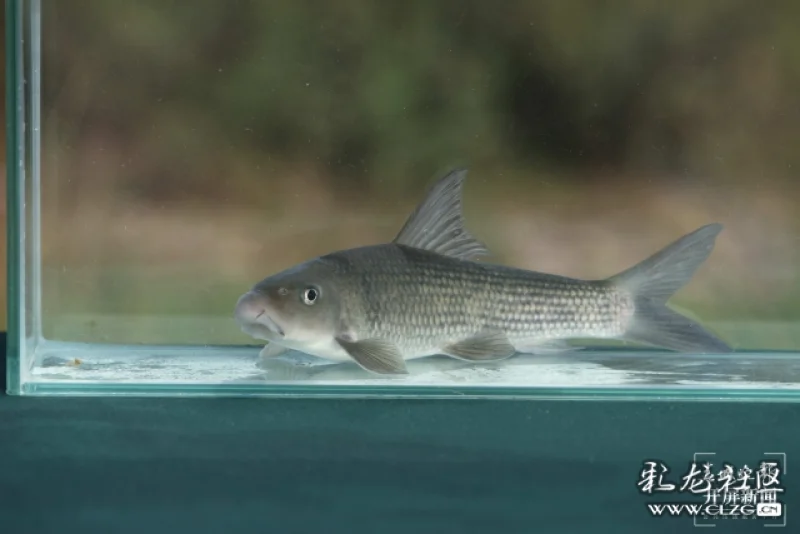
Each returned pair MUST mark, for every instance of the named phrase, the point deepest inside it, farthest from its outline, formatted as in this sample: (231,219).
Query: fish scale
(421,301)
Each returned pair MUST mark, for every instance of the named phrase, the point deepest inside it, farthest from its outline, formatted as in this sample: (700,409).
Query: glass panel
(178,153)
(15,170)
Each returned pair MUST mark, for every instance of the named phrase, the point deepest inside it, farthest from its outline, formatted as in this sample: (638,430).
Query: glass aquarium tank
(428,199)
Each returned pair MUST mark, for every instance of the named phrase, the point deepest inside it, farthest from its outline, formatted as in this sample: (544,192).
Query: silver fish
(424,294)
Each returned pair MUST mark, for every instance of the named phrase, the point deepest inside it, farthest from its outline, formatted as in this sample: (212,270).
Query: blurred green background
(193,148)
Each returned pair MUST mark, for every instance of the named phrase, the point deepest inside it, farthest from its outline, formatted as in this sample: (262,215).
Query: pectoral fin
(488,345)
(271,350)
(437,224)
(375,355)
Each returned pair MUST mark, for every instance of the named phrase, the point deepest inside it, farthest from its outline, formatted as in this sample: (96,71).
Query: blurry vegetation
(390,92)
(167,123)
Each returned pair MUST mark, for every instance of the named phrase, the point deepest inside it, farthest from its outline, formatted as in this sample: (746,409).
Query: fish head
(298,306)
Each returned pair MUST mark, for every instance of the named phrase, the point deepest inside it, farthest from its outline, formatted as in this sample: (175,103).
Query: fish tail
(653,281)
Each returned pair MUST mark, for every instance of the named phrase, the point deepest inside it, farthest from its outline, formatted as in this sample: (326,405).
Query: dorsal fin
(437,223)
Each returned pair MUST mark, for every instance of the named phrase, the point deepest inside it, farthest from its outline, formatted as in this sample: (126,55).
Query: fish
(428,292)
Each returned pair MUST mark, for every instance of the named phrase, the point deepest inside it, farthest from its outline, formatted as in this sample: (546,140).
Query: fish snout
(249,308)
(251,313)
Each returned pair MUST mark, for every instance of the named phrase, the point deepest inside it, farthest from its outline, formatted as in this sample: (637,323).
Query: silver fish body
(424,294)
(424,302)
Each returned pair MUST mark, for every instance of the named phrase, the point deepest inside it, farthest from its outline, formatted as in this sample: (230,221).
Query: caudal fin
(653,281)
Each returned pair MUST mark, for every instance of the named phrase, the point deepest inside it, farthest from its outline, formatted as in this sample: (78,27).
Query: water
(65,363)
(181,370)
(167,157)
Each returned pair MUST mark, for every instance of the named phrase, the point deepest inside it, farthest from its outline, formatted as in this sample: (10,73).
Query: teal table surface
(376,466)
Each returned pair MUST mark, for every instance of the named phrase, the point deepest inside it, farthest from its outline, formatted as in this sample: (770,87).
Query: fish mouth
(263,327)
(268,322)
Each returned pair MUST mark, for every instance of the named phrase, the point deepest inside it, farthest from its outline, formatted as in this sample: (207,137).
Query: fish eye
(310,295)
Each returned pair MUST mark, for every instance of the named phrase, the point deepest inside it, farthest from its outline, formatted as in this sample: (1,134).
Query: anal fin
(487,345)
(375,355)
